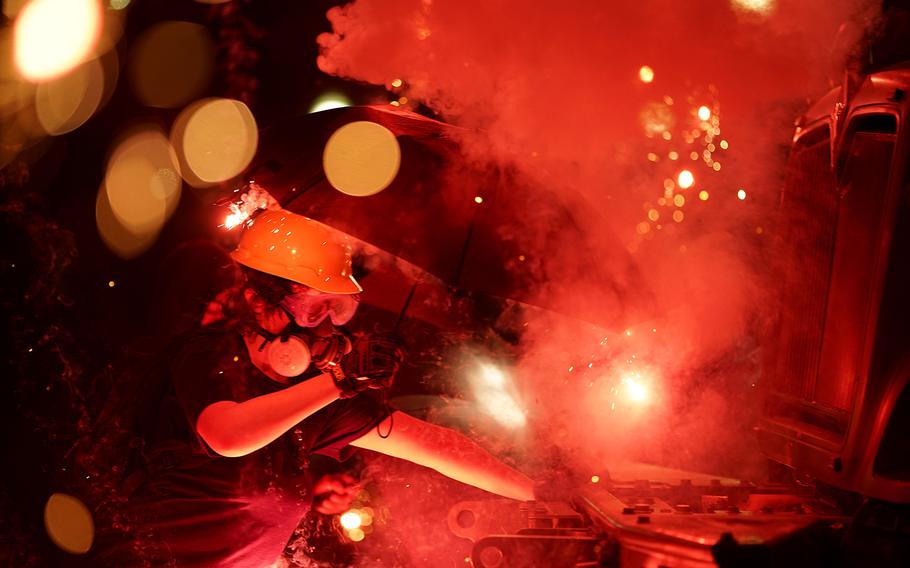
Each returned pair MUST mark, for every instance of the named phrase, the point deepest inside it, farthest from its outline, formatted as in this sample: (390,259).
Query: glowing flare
(756,6)
(69,523)
(741,194)
(330,100)
(646,74)
(361,158)
(491,386)
(478,199)
(215,140)
(54,36)
(704,113)
(703,195)
(356,535)
(595,479)
(492,376)
(351,520)
(724,144)
(396,83)
(635,390)
(685,179)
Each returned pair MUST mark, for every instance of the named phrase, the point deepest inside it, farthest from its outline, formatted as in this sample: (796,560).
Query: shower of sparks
(688,127)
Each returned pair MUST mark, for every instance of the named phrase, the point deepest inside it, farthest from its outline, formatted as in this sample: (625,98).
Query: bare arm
(448,452)
(236,429)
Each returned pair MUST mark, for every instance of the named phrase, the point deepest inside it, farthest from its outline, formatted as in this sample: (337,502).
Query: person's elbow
(218,429)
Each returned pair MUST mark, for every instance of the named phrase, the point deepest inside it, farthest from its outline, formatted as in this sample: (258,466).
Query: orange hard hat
(299,249)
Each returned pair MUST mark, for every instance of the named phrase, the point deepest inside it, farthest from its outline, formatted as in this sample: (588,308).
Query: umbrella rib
(304,188)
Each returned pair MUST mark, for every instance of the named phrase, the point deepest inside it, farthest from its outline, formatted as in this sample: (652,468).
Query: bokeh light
(171,64)
(215,140)
(141,190)
(330,100)
(704,113)
(356,535)
(741,194)
(361,158)
(703,195)
(66,102)
(646,74)
(69,523)
(656,118)
(685,179)
(350,520)
(54,36)
(595,479)
(115,236)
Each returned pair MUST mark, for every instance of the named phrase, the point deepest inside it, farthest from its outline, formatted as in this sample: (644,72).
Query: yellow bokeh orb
(171,64)
(215,140)
(361,158)
(54,36)
(65,103)
(69,523)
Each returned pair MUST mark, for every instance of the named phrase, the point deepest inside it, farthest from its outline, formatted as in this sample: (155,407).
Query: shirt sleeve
(340,423)
(204,373)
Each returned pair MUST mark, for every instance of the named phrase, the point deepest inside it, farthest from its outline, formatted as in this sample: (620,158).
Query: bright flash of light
(635,390)
(54,36)
(646,74)
(741,194)
(493,376)
(757,6)
(351,520)
(330,100)
(685,179)
(491,387)
(704,113)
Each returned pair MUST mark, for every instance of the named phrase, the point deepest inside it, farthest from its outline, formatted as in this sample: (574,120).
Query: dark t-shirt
(200,509)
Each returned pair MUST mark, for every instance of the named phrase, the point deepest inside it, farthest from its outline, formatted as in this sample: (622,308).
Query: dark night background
(56,270)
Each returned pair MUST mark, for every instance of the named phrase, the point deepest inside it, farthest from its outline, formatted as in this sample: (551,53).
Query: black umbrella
(479,226)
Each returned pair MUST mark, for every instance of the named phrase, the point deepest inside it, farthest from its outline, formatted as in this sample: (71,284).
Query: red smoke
(555,88)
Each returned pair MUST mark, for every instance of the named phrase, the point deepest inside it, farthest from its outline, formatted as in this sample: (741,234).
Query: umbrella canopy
(477,225)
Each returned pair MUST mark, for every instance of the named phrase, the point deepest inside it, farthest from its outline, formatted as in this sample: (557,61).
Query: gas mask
(310,308)
(292,351)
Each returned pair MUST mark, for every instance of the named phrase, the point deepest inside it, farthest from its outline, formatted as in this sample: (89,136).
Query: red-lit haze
(557,88)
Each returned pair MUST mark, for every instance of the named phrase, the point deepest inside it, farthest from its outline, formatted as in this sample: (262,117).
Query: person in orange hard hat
(269,379)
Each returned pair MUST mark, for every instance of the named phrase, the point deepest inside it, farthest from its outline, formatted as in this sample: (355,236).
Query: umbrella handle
(407,304)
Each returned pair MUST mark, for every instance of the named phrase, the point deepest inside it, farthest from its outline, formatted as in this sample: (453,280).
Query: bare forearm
(450,453)
(463,460)
(235,429)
